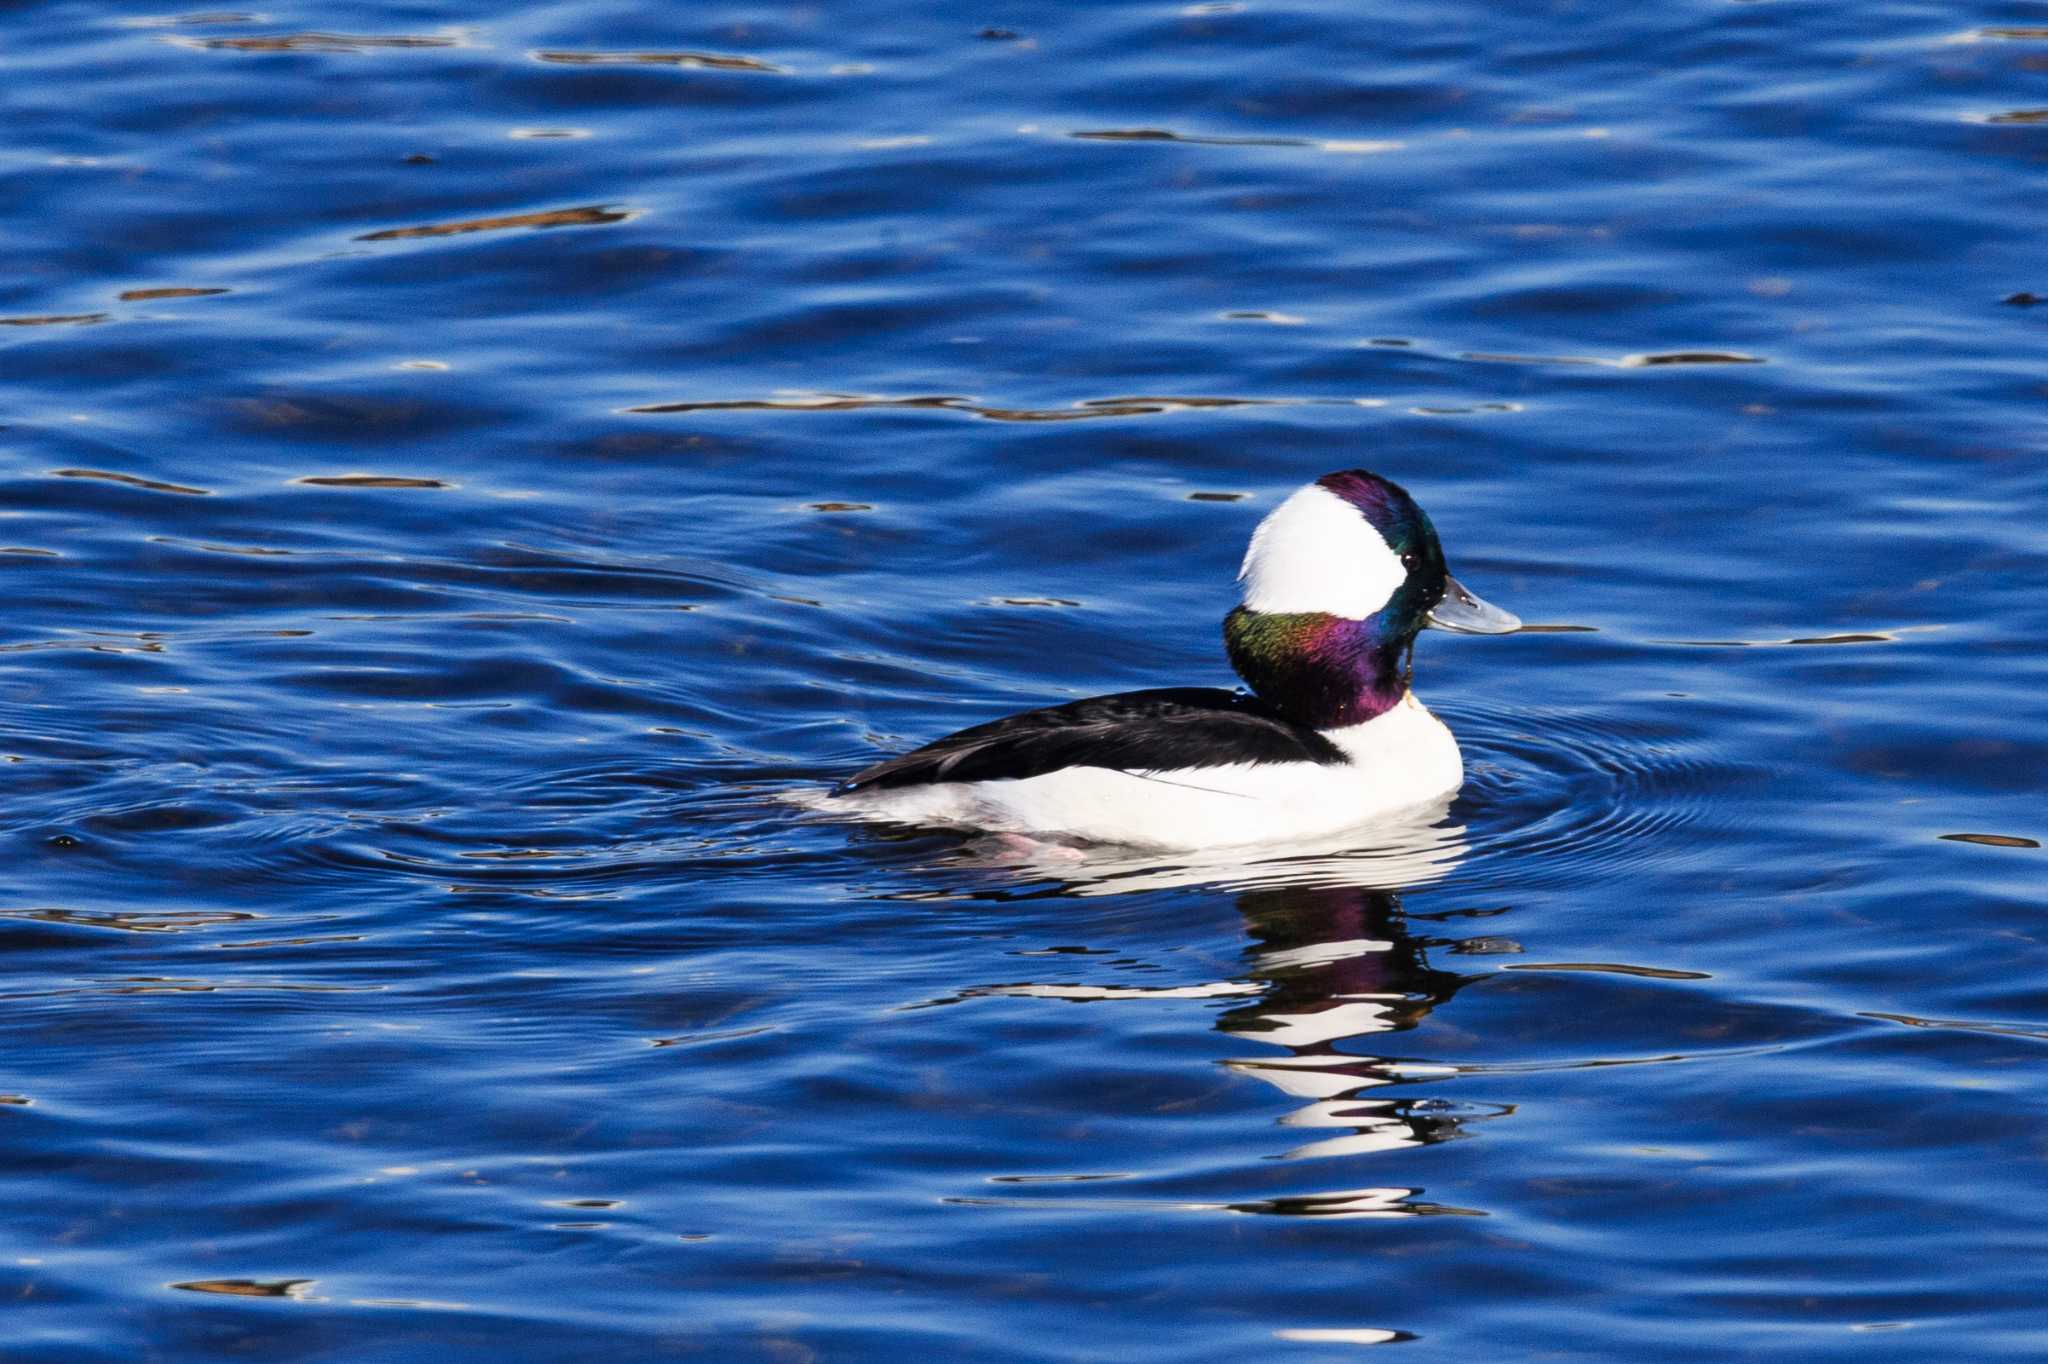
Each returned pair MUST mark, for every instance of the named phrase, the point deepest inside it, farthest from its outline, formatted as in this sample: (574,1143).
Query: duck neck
(1320,670)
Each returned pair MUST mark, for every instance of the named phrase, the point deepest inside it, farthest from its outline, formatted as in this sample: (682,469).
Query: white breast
(1398,761)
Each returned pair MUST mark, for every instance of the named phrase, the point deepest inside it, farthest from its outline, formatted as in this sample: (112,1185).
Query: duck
(1326,735)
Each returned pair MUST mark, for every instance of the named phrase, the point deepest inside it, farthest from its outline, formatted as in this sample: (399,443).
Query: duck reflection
(1338,964)
(1334,971)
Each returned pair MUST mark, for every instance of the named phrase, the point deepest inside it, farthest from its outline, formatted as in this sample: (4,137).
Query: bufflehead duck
(1338,581)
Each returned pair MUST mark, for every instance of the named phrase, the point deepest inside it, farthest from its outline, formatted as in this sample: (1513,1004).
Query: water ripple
(425,615)
(1586,794)
(702,61)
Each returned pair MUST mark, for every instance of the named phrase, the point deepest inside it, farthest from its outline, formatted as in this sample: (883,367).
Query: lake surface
(464,468)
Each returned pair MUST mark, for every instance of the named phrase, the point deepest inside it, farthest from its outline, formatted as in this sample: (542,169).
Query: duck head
(1338,581)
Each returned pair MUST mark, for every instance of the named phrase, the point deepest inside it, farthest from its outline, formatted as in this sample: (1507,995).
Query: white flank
(1315,552)
(1398,761)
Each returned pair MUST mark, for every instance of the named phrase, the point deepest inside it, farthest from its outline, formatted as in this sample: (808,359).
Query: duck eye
(1409,560)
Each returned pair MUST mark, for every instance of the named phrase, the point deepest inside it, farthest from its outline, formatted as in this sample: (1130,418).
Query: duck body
(1338,581)
(1183,767)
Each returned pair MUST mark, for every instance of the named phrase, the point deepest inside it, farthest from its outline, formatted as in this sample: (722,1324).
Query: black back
(1158,731)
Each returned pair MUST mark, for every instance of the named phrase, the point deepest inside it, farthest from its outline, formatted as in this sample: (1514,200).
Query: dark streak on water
(462,465)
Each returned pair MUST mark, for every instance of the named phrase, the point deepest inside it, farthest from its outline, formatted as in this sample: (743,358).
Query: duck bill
(1463,612)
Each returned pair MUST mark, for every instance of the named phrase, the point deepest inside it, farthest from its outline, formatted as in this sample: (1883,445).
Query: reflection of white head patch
(1316,552)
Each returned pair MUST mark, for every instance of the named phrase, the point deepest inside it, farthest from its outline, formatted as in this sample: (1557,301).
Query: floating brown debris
(823,402)
(1644,361)
(1886,636)
(35,553)
(54,320)
(1086,410)
(704,61)
(2019,116)
(2007,33)
(1164,401)
(1035,601)
(132,481)
(1689,357)
(1511,358)
(560,217)
(1217,497)
(100,644)
(2022,299)
(1959,1025)
(136,921)
(1163,135)
(1992,840)
(1611,968)
(314,42)
(369,481)
(839,506)
(144,295)
(248,1288)
(16,1100)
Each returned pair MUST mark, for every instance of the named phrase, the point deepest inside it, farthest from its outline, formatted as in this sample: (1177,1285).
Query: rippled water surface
(463,466)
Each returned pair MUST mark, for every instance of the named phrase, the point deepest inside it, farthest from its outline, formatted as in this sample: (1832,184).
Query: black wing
(1161,730)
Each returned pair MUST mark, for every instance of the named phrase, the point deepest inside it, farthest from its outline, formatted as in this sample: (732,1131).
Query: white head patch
(1315,552)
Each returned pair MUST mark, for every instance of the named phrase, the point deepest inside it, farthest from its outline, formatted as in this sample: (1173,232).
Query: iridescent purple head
(1338,581)
(1352,545)
(1407,535)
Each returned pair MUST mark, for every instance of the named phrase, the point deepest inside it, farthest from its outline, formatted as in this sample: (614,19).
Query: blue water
(462,466)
